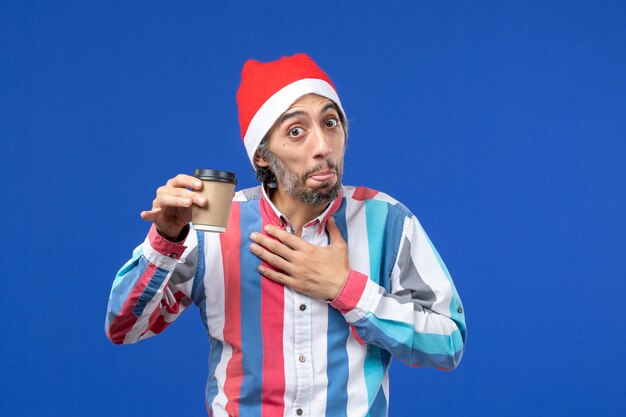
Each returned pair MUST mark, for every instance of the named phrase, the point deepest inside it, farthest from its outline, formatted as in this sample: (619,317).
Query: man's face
(306,147)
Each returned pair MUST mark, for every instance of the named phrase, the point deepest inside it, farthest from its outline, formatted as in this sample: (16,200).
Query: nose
(320,143)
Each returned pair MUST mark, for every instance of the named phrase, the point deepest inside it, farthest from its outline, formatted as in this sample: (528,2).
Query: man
(313,287)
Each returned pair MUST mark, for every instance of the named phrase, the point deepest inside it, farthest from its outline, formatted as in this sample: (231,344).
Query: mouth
(322,176)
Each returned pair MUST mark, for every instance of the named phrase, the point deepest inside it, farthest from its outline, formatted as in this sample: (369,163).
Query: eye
(295,132)
(332,122)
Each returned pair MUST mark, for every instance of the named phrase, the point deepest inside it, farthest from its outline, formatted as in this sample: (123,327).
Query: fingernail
(197,184)
(202,200)
(253,236)
(186,201)
(261,268)
(268,228)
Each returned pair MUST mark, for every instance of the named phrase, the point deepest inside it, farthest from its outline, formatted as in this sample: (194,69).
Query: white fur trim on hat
(278,103)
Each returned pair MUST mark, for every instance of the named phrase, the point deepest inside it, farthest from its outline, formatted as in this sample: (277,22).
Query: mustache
(329,165)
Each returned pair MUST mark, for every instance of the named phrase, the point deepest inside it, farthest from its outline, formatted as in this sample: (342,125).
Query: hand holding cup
(171,209)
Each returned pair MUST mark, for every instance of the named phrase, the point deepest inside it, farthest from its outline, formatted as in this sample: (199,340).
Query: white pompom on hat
(268,89)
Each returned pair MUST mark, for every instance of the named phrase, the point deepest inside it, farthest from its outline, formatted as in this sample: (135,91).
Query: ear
(260,161)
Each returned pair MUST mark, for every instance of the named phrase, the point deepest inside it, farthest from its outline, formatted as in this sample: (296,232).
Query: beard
(295,184)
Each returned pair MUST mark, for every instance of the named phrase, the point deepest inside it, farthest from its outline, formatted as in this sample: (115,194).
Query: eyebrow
(291,115)
(330,106)
(298,113)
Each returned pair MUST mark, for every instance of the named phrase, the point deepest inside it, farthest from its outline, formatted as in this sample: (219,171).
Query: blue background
(500,124)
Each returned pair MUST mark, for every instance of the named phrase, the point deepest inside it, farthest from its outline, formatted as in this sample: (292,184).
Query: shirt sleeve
(152,289)
(420,319)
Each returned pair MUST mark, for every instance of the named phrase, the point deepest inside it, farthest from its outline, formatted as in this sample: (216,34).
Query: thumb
(333,231)
(147,215)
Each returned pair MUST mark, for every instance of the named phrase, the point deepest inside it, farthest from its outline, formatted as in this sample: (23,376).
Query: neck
(297,212)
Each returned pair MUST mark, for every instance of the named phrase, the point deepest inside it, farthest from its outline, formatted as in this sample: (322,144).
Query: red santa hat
(268,89)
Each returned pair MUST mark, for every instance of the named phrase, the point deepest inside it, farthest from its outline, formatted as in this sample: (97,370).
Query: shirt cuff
(166,247)
(351,292)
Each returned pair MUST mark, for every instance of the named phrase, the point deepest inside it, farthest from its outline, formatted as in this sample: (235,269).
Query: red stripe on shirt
(125,320)
(272,322)
(230,241)
(164,246)
(158,323)
(364,193)
(356,335)
(351,292)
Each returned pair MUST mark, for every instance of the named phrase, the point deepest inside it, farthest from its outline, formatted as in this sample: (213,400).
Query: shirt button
(302,358)
(173,256)
(299,411)
(302,307)
(460,309)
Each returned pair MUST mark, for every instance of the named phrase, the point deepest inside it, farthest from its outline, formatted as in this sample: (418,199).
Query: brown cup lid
(215,175)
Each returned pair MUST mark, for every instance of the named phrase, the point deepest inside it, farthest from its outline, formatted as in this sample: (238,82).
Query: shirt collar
(278,218)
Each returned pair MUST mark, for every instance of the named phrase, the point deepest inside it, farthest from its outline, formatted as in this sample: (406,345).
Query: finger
(194,196)
(148,215)
(273,245)
(287,238)
(277,276)
(185,181)
(167,200)
(198,198)
(271,258)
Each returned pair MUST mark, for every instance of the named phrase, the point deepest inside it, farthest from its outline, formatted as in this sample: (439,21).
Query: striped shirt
(277,352)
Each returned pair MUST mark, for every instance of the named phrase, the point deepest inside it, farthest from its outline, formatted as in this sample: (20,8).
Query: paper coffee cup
(218,187)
